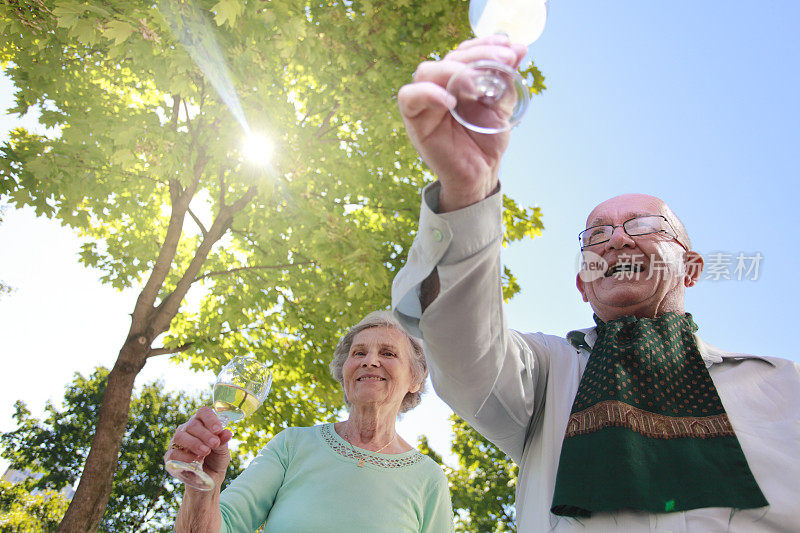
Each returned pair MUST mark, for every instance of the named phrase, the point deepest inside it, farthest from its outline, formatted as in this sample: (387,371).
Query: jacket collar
(584,339)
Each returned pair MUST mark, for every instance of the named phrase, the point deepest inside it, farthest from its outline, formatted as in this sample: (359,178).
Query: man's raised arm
(449,292)
(466,163)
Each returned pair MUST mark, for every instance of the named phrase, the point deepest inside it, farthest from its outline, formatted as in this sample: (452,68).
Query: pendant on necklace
(361,462)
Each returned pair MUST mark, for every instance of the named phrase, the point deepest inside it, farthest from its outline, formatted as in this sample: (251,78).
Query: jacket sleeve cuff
(442,239)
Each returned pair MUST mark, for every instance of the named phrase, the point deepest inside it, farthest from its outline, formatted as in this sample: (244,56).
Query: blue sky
(695,102)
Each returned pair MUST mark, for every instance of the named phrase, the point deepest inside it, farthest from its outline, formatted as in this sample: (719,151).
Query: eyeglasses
(643,225)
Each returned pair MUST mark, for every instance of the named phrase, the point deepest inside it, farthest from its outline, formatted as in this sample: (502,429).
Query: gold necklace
(361,455)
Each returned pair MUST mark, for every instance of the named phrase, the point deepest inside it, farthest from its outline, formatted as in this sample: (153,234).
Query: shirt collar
(584,339)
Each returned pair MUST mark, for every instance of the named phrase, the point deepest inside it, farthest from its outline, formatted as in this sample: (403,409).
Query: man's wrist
(453,200)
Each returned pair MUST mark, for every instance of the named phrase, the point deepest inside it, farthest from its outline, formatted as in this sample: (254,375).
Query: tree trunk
(91,497)
(86,509)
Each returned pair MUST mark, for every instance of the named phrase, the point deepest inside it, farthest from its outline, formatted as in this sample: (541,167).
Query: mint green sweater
(307,480)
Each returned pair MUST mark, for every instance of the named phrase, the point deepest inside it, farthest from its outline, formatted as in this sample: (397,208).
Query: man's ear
(580,284)
(693,263)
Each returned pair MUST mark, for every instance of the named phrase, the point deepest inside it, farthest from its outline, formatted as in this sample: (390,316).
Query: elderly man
(633,425)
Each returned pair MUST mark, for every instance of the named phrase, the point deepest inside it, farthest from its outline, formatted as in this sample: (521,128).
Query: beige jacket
(517,388)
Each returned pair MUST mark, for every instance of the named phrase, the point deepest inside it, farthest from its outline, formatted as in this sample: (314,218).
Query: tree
(143,496)
(148,104)
(23,510)
(482,486)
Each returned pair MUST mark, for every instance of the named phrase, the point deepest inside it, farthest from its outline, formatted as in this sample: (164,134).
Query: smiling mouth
(621,269)
(370,378)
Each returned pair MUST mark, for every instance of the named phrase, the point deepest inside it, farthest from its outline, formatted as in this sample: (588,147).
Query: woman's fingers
(206,416)
(195,438)
(175,452)
(218,459)
(202,437)
(497,38)
(224,436)
(200,434)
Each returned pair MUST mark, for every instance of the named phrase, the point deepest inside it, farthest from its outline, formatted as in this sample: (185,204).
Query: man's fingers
(508,55)
(437,72)
(417,98)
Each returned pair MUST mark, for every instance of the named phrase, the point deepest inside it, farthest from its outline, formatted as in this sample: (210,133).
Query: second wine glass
(241,387)
(491,97)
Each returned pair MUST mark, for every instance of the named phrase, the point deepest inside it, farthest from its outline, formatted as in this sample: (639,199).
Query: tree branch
(250,241)
(189,125)
(323,127)
(168,308)
(151,508)
(310,114)
(180,199)
(254,267)
(163,262)
(176,104)
(197,221)
(222,188)
(246,198)
(164,351)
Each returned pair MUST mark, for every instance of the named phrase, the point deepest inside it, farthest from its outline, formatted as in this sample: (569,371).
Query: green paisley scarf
(647,429)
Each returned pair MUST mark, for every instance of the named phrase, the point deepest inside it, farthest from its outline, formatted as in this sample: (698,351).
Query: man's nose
(620,239)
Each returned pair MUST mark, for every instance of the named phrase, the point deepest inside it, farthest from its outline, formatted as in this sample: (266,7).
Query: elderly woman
(354,475)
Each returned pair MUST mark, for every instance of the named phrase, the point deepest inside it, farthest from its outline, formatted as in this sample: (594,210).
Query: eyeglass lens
(633,227)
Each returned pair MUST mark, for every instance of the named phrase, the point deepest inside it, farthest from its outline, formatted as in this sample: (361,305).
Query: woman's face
(378,371)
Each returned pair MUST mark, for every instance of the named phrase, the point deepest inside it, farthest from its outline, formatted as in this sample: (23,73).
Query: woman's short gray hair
(383,319)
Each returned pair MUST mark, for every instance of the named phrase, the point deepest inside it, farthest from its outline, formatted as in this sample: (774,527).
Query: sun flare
(258,149)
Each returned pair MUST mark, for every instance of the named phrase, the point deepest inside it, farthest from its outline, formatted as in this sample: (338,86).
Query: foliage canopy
(144,497)
(482,485)
(147,106)
(23,510)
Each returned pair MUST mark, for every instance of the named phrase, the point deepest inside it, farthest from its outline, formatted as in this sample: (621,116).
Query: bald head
(645,275)
(643,204)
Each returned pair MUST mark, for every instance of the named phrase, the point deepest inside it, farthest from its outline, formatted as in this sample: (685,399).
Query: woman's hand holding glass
(241,387)
(202,437)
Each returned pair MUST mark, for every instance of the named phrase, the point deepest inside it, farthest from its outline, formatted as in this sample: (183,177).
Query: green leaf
(83,31)
(118,31)
(227,12)
(67,13)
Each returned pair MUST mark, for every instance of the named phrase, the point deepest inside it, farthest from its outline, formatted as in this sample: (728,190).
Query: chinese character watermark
(719,266)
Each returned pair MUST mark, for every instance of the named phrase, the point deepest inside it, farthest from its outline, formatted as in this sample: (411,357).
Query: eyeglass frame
(674,234)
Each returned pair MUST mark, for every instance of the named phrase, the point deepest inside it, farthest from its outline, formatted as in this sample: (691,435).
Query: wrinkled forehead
(621,208)
(382,335)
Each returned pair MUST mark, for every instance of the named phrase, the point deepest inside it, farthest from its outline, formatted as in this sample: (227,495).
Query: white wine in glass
(491,97)
(241,387)
(233,403)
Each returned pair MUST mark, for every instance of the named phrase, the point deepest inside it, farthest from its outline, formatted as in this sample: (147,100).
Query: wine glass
(241,387)
(491,97)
